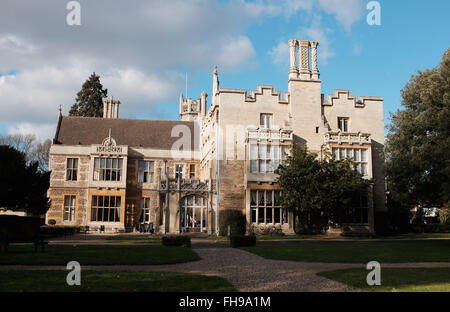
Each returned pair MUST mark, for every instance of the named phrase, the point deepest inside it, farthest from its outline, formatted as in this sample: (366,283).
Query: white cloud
(347,12)
(319,33)
(280,54)
(41,131)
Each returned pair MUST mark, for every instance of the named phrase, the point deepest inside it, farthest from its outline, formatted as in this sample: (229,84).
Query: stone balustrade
(187,185)
(347,138)
(262,134)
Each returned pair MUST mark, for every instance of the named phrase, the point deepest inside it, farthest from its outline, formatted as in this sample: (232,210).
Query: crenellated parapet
(190,109)
(259,92)
(345,95)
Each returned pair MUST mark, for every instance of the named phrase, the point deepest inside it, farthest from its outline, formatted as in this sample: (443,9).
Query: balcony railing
(187,185)
(347,138)
(262,134)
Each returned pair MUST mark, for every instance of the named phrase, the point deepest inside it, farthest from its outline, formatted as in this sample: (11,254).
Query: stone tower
(305,93)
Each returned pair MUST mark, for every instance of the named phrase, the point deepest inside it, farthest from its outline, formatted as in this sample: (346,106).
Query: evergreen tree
(89,101)
(317,190)
(417,156)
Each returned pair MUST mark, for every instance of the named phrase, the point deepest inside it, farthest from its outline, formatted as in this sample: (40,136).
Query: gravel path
(247,271)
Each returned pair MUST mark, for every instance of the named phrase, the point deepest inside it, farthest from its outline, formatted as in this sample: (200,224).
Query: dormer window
(343,124)
(266,121)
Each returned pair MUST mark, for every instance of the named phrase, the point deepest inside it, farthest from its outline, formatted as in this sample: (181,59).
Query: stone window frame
(146,171)
(72,208)
(362,163)
(145,211)
(117,208)
(261,156)
(72,169)
(117,170)
(345,124)
(183,171)
(192,173)
(256,208)
(264,124)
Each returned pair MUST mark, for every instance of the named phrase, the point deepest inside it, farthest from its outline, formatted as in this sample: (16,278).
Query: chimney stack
(307,68)
(111,108)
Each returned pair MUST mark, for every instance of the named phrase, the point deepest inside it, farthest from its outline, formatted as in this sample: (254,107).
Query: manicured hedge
(233,218)
(59,230)
(17,228)
(176,240)
(242,241)
(431,228)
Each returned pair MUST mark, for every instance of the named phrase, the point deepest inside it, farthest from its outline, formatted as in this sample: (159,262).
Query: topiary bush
(233,218)
(59,230)
(176,240)
(242,241)
(51,222)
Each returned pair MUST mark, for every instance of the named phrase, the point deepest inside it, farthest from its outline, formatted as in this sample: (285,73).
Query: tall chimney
(111,108)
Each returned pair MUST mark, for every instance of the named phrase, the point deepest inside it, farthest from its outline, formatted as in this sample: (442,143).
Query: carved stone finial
(60,111)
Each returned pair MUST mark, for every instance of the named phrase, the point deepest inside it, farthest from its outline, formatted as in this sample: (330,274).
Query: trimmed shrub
(233,218)
(51,222)
(59,230)
(176,240)
(263,229)
(431,228)
(242,241)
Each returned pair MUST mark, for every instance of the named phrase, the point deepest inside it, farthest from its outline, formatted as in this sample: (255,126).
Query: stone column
(314,67)
(303,56)
(293,70)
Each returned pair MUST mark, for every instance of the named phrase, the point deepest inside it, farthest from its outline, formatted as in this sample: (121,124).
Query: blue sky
(143,50)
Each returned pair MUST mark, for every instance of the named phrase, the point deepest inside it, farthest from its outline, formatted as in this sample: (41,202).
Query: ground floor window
(193,213)
(265,206)
(105,208)
(69,208)
(145,210)
(357,212)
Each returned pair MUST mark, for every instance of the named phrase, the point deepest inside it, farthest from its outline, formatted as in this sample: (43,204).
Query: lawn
(107,281)
(396,280)
(97,255)
(356,251)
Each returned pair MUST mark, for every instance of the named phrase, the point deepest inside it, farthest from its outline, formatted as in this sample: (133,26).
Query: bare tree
(34,151)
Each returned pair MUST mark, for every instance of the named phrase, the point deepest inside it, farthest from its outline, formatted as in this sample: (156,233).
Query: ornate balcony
(273,134)
(187,185)
(347,138)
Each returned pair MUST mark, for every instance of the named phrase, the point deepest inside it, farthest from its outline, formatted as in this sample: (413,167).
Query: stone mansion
(115,173)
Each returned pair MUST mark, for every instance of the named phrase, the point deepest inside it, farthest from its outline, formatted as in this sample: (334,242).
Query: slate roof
(136,133)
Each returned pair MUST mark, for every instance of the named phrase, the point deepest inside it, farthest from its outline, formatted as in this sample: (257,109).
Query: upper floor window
(266,158)
(359,156)
(107,169)
(266,121)
(343,124)
(72,169)
(146,171)
(69,208)
(191,171)
(179,171)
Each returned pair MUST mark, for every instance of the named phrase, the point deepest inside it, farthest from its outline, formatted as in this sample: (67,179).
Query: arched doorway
(193,214)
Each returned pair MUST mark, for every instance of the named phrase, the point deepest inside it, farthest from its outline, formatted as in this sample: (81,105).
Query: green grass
(396,280)
(107,281)
(97,255)
(357,252)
